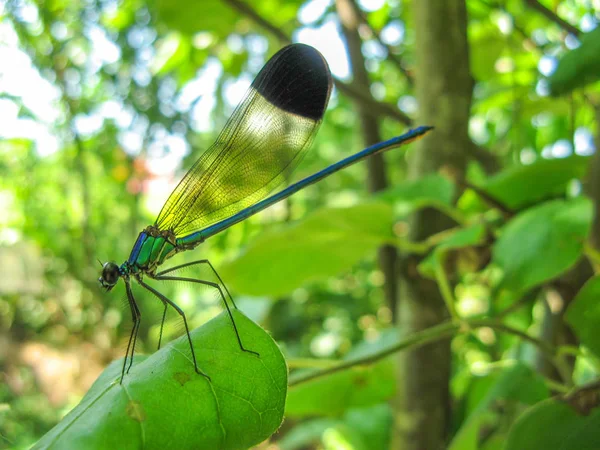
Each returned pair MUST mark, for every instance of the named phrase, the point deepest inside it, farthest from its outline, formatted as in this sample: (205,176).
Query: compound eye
(110,274)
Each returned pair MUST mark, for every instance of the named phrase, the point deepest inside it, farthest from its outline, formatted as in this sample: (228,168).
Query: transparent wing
(264,140)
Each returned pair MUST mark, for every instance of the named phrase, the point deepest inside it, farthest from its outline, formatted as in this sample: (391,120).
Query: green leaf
(465,237)
(218,17)
(430,190)
(374,423)
(542,242)
(359,429)
(578,67)
(306,433)
(583,315)
(518,383)
(555,425)
(487,44)
(172,50)
(324,244)
(515,189)
(192,17)
(164,403)
(357,386)
(334,394)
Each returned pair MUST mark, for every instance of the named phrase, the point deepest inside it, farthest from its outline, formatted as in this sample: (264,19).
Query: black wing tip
(296,79)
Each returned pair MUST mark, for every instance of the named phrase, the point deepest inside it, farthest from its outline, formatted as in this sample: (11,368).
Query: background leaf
(555,425)
(280,261)
(192,17)
(583,315)
(578,67)
(430,190)
(465,237)
(514,187)
(518,383)
(363,428)
(355,387)
(542,242)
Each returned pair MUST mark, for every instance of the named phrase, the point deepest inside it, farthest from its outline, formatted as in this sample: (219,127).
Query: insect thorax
(151,249)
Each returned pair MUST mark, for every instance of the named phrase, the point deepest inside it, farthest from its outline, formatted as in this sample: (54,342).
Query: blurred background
(105,103)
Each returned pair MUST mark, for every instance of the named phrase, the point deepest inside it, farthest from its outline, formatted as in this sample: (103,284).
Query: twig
(418,339)
(375,107)
(550,15)
(488,161)
(444,285)
(311,363)
(247,10)
(591,386)
(548,350)
(524,300)
(583,398)
(391,55)
(434,334)
(592,255)
(489,199)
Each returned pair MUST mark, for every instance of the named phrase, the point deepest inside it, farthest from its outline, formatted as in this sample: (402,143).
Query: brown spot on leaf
(181,377)
(361,380)
(135,411)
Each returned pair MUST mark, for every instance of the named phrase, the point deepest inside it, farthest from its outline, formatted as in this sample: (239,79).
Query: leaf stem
(433,334)
(592,255)
(444,285)
(311,363)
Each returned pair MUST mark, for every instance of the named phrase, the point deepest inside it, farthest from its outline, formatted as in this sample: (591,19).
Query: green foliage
(332,395)
(282,260)
(516,384)
(131,92)
(514,189)
(465,237)
(355,387)
(583,315)
(488,48)
(578,67)
(163,402)
(216,16)
(360,428)
(542,242)
(430,190)
(183,16)
(555,425)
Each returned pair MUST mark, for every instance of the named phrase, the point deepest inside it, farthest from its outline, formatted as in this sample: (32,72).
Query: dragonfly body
(152,248)
(263,141)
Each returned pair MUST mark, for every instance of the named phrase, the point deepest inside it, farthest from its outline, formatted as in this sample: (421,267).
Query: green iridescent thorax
(152,248)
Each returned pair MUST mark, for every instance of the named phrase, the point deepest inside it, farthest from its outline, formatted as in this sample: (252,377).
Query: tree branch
(427,336)
(550,15)
(375,108)
(391,55)
(487,198)
(488,161)
(415,340)
(247,10)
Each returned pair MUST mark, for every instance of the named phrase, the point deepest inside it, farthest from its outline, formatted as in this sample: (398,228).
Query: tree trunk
(443,90)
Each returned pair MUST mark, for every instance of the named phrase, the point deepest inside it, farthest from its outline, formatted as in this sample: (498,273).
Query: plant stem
(433,334)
